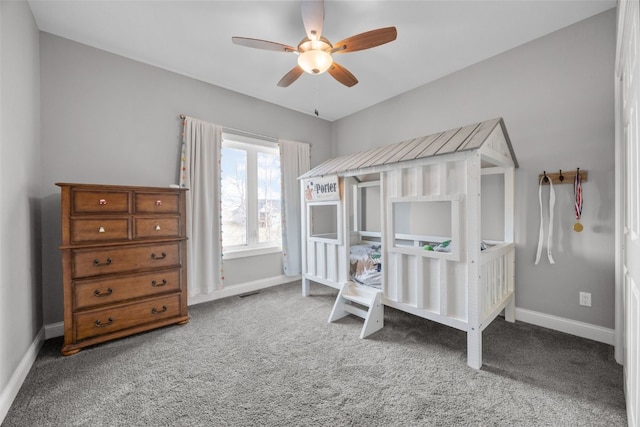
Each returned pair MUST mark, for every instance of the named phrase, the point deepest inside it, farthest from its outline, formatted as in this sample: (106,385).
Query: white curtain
(294,161)
(200,173)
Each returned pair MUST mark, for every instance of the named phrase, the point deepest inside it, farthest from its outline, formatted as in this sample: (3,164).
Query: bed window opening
(250,195)
(324,222)
(492,207)
(369,207)
(427,226)
(430,220)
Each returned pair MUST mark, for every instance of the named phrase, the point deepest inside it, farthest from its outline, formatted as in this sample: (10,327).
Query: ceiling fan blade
(291,76)
(342,75)
(262,44)
(312,17)
(366,40)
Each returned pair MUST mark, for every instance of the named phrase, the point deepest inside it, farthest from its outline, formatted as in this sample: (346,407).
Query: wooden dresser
(123,261)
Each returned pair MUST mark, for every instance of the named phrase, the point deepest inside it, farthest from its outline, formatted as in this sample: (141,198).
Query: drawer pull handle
(97,263)
(102,202)
(157,227)
(98,293)
(99,324)
(101,230)
(158,202)
(155,310)
(162,256)
(155,284)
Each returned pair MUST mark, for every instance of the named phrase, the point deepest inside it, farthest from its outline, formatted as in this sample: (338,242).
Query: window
(250,195)
(324,220)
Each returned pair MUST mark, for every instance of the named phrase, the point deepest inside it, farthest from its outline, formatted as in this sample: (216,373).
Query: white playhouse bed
(424,226)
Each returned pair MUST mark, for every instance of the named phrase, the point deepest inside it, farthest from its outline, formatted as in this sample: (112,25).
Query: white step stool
(365,296)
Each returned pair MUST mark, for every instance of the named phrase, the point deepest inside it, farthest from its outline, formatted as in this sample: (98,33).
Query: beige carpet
(271,359)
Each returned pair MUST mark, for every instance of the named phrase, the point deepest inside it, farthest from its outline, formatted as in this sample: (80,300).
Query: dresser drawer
(120,259)
(96,292)
(99,201)
(148,203)
(150,227)
(112,319)
(99,230)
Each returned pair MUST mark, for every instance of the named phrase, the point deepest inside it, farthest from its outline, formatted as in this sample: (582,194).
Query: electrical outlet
(585,299)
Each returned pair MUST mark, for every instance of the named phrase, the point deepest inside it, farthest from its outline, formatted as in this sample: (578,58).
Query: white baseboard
(573,327)
(243,288)
(53,330)
(10,391)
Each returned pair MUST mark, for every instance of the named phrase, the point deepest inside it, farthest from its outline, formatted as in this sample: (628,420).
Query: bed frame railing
(496,278)
(327,263)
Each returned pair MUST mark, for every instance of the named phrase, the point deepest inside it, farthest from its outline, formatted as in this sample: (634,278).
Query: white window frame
(320,238)
(252,146)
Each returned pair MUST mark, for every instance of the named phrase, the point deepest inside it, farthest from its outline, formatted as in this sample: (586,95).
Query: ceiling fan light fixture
(315,61)
(315,51)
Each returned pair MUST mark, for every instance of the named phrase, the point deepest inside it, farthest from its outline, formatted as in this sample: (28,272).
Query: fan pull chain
(317,96)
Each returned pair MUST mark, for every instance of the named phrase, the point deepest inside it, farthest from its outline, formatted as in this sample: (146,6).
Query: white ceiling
(193,38)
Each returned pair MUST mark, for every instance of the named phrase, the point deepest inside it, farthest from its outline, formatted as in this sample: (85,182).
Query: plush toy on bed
(446,246)
(438,247)
(366,264)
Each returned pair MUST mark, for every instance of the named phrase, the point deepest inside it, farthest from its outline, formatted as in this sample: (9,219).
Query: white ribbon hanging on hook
(552,202)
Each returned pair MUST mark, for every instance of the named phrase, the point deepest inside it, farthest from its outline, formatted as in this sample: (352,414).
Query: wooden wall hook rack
(566,177)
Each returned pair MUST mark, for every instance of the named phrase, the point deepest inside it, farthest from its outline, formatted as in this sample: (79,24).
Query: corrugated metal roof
(465,138)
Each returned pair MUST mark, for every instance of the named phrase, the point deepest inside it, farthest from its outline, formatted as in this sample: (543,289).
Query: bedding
(446,246)
(438,246)
(366,264)
(366,260)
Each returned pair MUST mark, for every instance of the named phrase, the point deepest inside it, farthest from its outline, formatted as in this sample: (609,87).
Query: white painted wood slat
(458,139)
(332,262)
(469,137)
(432,149)
(481,133)
(403,149)
(387,154)
(369,157)
(342,163)
(311,258)
(425,142)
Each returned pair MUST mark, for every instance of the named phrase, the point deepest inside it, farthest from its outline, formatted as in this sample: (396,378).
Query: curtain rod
(247,133)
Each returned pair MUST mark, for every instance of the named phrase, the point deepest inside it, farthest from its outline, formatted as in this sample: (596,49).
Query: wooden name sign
(322,189)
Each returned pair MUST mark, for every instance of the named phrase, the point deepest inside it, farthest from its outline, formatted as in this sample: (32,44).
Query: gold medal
(577,227)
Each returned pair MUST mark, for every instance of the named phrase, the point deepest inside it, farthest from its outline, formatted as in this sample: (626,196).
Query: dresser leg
(70,352)
(184,322)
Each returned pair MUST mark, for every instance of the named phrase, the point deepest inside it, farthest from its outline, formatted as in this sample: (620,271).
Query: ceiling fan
(315,51)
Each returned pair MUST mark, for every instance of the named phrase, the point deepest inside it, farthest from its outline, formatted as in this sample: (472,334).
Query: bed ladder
(352,296)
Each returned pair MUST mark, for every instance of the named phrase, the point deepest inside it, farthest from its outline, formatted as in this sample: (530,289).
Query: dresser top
(119,187)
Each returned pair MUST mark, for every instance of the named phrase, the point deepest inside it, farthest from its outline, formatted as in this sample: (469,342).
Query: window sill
(245,253)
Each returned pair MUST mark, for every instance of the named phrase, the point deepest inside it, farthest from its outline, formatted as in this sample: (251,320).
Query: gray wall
(20,179)
(108,119)
(556,96)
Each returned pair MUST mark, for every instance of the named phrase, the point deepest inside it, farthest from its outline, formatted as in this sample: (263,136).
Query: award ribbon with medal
(577,190)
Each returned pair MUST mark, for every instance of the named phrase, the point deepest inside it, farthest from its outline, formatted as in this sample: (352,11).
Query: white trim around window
(252,246)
